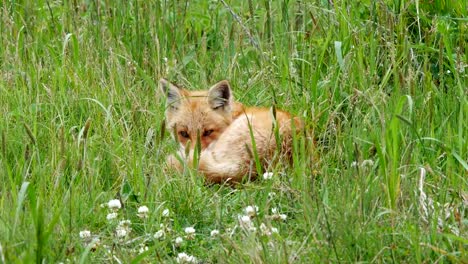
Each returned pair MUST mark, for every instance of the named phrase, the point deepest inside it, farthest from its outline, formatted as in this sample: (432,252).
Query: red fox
(224,130)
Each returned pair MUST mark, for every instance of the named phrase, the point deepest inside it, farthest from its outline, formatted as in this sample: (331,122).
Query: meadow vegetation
(381,86)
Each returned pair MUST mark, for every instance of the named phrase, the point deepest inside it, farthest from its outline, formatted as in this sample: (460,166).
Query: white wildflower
(111,216)
(246,223)
(354,164)
(190,231)
(185,258)
(125,223)
(121,231)
(166,227)
(265,230)
(85,234)
(283,217)
(251,210)
(165,213)
(114,204)
(245,220)
(143,211)
(276,214)
(367,163)
(178,241)
(160,234)
(271,195)
(267,175)
(214,233)
(142,249)
(268,231)
(123,228)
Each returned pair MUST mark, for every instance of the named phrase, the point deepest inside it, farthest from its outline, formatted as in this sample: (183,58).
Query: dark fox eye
(184,134)
(207,132)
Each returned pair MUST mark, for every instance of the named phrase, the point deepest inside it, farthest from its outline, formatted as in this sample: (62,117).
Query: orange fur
(226,150)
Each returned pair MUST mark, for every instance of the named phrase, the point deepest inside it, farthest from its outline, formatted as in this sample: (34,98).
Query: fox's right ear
(220,96)
(172,93)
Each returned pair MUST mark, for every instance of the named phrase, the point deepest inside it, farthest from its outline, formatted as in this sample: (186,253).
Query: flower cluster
(143,211)
(252,222)
(185,258)
(276,215)
(268,175)
(190,232)
(268,231)
(89,239)
(265,229)
(364,164)
(114,206)
(164,228)
(123,228)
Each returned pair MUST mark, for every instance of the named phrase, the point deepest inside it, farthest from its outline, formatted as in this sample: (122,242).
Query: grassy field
(381,85)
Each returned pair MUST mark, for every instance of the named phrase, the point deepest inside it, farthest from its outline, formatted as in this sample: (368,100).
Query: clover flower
(268,231)
(143,248)
(121,231)
(214,233)
(246,223)
(276,215)
(271,195)
(265,230)
(160,234)
(251,211)
(143,211)
(190,231)
(125,223)
(367,163)
(178,241)
(111,216)
(267,175)
(185,258)
(85,234)
(244,220)
(114,204)
(165,213)
(123,228)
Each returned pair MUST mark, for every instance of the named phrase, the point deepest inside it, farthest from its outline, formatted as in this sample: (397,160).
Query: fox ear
(219,96)
(172,92)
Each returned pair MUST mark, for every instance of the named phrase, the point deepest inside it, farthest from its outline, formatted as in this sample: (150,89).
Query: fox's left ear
(172,92)
(220,96)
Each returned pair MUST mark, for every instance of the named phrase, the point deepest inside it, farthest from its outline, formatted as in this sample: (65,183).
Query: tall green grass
(381,86)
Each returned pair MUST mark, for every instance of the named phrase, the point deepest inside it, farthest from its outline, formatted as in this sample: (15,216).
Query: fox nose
(194,142)
(203,144)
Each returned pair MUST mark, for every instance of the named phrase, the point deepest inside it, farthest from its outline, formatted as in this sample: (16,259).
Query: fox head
(197,115)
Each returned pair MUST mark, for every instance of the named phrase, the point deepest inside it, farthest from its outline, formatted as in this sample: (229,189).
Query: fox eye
(207,132)
(184,134)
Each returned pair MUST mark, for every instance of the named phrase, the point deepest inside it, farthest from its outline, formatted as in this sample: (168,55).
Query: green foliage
(380,174)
